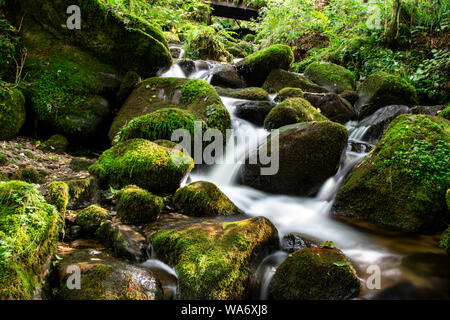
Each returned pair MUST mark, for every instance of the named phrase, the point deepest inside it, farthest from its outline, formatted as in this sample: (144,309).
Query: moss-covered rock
(403,181)
(128,84)
(12,112)
(252,93)
(331,76)
(78,164)
(332,106)
(58,193)
(202,43)
(204,199)
(290,111)
(82,193)
(143,163)
(382,89)
(256,67)
(123,40)
(55,144)
(29,175)
(3,160)
(104,277)
(195,96)
(285,93)
(226,75)
(445,240)
(89,219)
(29,228)
(158,125)
(214,260)
(315,274)
(445,113)
(279,79)
(253,111)
(137,205)
(309,154)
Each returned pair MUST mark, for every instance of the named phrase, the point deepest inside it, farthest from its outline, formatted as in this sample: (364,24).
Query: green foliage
(11,50)
(206,44)
(12,111)
(445,113)
(445,240)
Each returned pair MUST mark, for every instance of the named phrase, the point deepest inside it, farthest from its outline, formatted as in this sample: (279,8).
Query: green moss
(137,205)
(213,261)
(144,164)
(78,164)
(403,182)
(159,124)
(82,192)
(445,240)
(28,175)
(445,113)
(3,160)
(285,93)
(55,144)
(256,67)
(252,93)
(29,229)
(12,112)
(279,79)
(315,274)
(58,192)
(331,76)
(204,199)
(89,219)
(202,43)
(290,111)
(382,89)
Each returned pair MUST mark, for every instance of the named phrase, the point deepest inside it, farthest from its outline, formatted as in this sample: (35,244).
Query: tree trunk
(392,30)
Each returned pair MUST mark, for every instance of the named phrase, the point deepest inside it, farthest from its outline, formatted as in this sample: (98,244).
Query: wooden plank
(230,10)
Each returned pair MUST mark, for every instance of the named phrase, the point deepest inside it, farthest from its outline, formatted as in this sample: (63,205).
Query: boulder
(429,110)
(350,95)
(58,194)
(214,260)
(252,93)
(29,229)
(103,277)
(445,113)
(403,181)
(383,89)
(332,106)
(331,76)
(315,274)
(204,199)
(82,193)
(285,93)
(142,163)
(187,65)
(226,75)
(309,154)
(90,218)
(194,96)
(12,112)
(290,111)
(293,242)
(256,67)
(128,84)
(279,79)
(55,144)
(136,205)
(254,111)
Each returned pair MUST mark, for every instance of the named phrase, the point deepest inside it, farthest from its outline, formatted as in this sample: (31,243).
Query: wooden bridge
(231,10)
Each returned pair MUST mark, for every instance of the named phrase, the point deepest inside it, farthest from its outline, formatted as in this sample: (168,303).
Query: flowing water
(311,217)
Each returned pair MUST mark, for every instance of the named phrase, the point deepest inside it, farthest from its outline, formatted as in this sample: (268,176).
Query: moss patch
(137,205)
(89,219)
(58,192)
(331,76)
(12,112)
(252,93)
(279,79)
(202,44)
(285,93)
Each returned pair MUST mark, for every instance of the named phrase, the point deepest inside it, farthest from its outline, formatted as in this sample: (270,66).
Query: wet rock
(187,65)
(227,76)
(279,79)
(293,242)
(331,76)
(332,106)
(124,241)
(428,110)
(12,112)
(175,52)
(204,199)
(213,260)
(315,274)
(103,277)
(309,153)
(360,147)
(254,111)
(256,67)
(350,96)
(384,188)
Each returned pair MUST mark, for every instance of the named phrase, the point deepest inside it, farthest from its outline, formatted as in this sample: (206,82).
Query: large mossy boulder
(122,40)
(194,96)
(315,274)
(142,163)
(279,79)
(290,111)
(331,76)
(29,228)
(137,205)
(215,260)
(103,277)
(252,93)
(403,181)
(332,106)
(12,112)
(159,124)
(202,43)
(256,67)
(204,199)
(383,89)
(308,153)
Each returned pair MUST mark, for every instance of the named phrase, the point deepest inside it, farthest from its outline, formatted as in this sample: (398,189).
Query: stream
(412,265)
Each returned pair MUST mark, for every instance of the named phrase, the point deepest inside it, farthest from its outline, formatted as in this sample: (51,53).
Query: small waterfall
(166,275)
(266,271)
